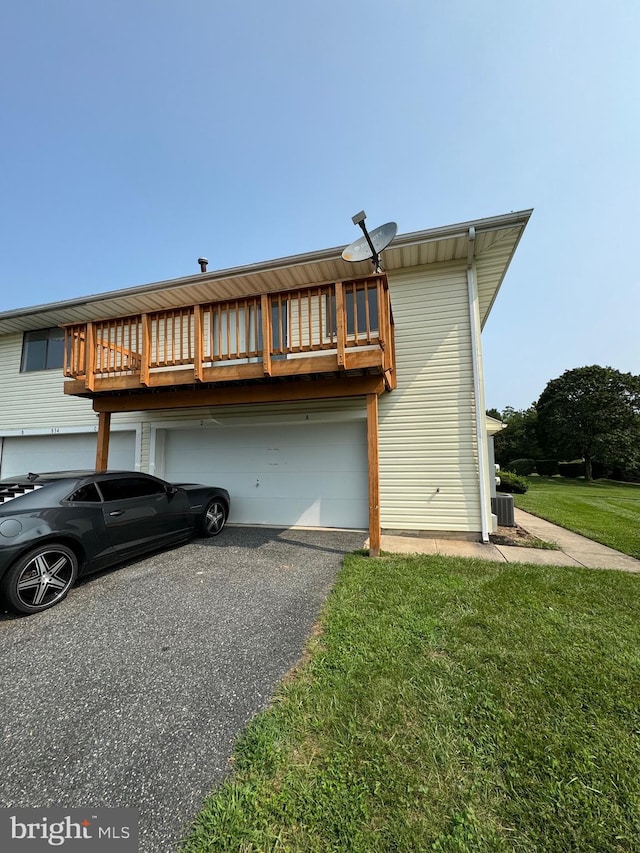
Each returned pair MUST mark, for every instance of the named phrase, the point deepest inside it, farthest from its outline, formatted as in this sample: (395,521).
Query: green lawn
(448,705)
(604,511)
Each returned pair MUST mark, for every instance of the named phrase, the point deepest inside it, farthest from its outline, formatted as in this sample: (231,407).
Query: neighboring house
(318,392)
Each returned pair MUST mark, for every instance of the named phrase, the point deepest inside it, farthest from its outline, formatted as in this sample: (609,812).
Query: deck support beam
(374,475)
(281,393)
(104,431)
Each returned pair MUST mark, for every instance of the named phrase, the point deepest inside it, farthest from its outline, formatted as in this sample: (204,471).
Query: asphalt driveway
(133,690)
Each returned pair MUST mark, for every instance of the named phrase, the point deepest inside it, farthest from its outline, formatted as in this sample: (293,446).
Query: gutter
(478,385)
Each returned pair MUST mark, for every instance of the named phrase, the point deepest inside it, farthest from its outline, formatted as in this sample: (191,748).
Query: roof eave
(273,266)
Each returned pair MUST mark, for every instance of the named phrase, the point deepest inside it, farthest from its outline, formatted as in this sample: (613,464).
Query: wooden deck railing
(342,326)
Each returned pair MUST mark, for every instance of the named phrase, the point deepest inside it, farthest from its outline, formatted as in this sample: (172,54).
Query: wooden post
(198,342)
(145,354)
(91,357)
(389,355)
(102,453)
(374,475)
(266,333)
(382,320)
(341,326)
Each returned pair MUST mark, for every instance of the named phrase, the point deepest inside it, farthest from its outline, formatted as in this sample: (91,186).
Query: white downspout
(478,386)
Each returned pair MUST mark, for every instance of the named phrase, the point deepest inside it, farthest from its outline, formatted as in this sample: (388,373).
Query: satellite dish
(369,247)
(360,250)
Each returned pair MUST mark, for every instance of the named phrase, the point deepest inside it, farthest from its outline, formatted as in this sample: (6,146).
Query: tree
(592,413)
(519,439)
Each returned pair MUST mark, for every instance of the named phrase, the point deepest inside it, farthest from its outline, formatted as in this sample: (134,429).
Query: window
(86,494)
(42,349)
(123,488)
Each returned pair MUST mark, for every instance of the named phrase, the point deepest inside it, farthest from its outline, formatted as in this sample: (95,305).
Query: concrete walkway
(575,550)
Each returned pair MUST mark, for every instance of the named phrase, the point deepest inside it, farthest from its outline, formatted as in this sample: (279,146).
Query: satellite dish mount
(369,247)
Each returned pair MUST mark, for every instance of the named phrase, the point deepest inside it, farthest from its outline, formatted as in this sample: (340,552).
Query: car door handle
(117,512)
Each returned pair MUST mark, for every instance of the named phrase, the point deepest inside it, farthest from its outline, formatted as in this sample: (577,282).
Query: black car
(58,526)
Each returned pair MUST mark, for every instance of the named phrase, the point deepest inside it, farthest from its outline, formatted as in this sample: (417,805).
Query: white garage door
(308,474)
(64,452)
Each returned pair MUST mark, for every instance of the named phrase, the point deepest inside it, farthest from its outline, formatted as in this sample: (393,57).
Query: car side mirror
(172,490)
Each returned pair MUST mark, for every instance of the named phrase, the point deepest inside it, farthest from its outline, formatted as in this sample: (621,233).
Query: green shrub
(511,483)
(521,467)
(623,473)
(547,467)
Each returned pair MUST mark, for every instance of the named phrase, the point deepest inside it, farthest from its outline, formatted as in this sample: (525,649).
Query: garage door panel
(239,453)
(63,452)
(351,466)
(286,511)
(277,485)
(307,474)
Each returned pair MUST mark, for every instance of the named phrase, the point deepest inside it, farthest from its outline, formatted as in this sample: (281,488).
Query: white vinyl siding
(36,401)
(428,463)
(41,427)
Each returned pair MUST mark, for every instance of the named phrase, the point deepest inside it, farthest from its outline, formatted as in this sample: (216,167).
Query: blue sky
(137,136)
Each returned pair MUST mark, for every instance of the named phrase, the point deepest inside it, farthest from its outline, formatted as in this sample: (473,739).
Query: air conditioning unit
(502,507)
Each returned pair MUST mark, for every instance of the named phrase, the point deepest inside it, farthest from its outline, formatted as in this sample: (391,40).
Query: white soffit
(495,242)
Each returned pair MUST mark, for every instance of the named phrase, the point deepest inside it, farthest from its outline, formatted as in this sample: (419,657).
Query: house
(319,392)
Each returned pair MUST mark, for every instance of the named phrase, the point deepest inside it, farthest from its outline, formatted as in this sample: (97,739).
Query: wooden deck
(343,328)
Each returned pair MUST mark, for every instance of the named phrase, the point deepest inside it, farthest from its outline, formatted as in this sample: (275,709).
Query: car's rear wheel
(41,578)
(214,518)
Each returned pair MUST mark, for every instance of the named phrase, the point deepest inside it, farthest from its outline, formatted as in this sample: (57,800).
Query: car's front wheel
(41,578)
(214,518)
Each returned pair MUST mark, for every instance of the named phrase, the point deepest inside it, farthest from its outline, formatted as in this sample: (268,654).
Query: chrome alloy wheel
(42,578)
(214,518)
